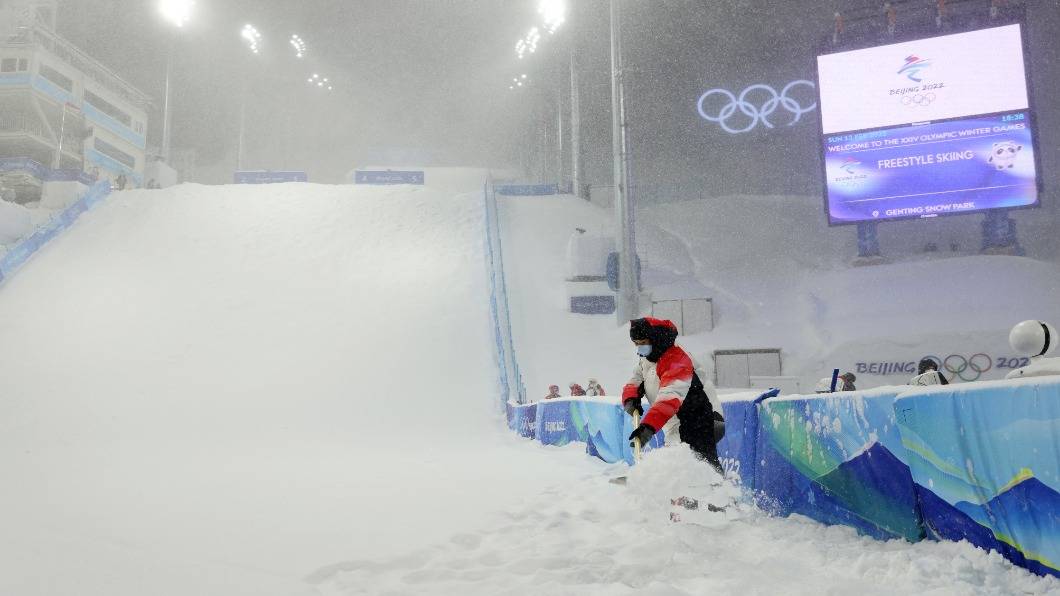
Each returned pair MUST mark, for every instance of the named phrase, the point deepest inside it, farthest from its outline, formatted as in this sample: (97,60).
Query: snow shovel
(636,441)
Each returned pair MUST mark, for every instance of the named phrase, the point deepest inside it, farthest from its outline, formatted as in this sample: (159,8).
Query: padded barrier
(977,462)
(21,252)
(985,459)
(837,458)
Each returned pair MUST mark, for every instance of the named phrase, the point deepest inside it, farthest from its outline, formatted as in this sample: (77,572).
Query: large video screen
(925,128)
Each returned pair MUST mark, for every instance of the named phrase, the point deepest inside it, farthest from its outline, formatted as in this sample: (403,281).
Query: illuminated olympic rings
(757,114)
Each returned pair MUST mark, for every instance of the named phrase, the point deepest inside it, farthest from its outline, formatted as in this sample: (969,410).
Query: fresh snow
(594,537)
(291,389)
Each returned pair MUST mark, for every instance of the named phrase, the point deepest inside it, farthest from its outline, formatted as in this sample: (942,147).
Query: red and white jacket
(666,385)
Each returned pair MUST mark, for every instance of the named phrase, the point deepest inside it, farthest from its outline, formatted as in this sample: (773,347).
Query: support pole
(627,300)
(166,132)
(575,128)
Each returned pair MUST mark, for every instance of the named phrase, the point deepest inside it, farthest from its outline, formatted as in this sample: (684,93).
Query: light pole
(252,38)
(177,13)
(575,127)
(627,306)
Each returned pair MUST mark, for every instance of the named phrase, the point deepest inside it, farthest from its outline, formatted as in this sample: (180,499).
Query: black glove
(642,432)
(633,405)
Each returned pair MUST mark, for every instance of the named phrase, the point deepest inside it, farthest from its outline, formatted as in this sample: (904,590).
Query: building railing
(64,50)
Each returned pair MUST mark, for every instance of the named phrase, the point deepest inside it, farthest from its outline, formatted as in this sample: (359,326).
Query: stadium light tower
(176,13)
(252,38)
(299,46)
(320,82)
(553,14)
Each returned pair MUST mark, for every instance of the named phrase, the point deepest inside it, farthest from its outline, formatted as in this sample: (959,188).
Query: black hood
(925,365)
(660,332)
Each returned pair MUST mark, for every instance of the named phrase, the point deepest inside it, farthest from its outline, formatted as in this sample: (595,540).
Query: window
(57,77)
(14,65)
(108,108)
(114,153)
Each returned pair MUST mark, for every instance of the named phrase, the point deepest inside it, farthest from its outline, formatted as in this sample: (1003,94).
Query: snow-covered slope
(553,345)
(216,390)
(773,286)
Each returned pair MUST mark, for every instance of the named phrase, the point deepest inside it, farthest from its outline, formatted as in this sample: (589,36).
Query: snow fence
(977,462)
(17,256)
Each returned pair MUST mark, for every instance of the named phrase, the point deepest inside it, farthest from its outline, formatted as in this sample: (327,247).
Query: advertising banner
(387,177)
(266,177)
(936,169)
(984,459)
(838,458)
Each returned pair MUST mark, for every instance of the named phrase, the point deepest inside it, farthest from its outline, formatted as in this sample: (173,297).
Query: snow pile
(594,537)
(15,222)
(773,286)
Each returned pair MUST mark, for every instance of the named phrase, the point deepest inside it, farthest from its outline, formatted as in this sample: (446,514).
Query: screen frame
(1032,118)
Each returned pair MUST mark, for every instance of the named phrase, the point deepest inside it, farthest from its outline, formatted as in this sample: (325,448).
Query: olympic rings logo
(918,99)
(966,369)
(756,114)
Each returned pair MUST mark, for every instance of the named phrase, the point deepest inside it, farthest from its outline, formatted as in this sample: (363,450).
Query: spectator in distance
(553,392)
(576,390)
(848,379)
(594,389)
(927,373)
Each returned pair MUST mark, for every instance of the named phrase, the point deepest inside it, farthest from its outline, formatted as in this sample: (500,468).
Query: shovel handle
(636,441)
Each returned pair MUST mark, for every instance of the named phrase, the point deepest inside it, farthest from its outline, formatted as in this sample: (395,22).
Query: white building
(60,109)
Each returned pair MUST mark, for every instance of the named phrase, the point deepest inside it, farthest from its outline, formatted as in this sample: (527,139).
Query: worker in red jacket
(676,388)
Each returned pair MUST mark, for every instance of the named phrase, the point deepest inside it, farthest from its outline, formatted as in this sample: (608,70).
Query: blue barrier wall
(985,459)
(21,252)
(599,423)
(837,458)
(977,462)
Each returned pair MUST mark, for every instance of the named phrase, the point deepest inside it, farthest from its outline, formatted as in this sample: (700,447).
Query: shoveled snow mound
(216,390)
(598,538)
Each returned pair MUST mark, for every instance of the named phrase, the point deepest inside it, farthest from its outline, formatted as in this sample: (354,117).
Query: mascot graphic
(1004,153)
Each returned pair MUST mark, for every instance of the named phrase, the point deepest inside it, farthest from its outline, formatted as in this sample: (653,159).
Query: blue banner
(984,459)
(388,177)
(838,458)
(533,190)
(601,424)
(523,420)
(24,164)
(267,177)
(69,176)
(737,449)
(958,166)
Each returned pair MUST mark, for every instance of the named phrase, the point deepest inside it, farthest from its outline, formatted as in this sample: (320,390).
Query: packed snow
(594,537)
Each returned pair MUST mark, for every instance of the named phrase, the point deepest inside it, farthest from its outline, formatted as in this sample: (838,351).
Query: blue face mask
(644,350)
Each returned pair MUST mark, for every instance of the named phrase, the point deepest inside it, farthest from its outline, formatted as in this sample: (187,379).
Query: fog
(423,82)
(219,377)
